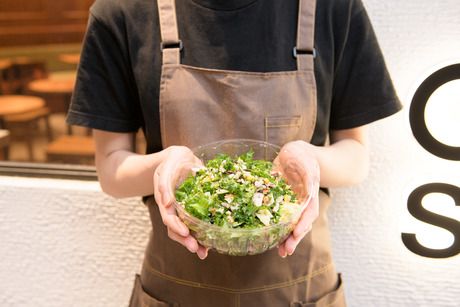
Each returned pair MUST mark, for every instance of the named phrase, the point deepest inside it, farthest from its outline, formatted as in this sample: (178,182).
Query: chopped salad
(238,192)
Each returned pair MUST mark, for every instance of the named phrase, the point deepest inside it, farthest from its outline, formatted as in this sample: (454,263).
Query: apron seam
(228,290)
(241,72)
(266,129)
(283,126)
(163,82)
(237,298)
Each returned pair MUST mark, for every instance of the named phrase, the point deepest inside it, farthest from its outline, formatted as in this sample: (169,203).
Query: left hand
(298,164)
(174,168)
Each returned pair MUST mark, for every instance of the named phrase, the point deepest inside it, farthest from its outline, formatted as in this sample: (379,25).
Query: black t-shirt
(118,78)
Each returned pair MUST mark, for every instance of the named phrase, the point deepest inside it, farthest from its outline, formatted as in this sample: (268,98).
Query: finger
(160,191)
(197,161)
(156,190)
(288,247)
(189,242)
(202,252)
(282,251)
(172,221)
(302,228)
(303,233)
(164,184)
(276,164)
(291,243)
(307,218)
(172,172)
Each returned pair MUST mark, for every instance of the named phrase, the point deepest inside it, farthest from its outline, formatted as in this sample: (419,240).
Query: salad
(238,192)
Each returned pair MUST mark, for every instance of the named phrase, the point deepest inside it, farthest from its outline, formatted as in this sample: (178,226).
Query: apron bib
(198,106)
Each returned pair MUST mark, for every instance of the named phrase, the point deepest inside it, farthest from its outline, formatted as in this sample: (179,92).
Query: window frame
(48,170)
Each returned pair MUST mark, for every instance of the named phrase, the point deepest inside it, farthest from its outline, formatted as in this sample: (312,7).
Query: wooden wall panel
(36,22)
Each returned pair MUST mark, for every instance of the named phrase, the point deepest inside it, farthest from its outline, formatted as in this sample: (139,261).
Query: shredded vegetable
(237,192)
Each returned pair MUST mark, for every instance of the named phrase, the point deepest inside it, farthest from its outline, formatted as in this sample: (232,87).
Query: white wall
(63,243)
(417,38)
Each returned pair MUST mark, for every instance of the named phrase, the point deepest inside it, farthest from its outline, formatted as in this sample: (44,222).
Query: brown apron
(199,106)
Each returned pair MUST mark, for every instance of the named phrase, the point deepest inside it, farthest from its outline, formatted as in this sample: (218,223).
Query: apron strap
(305,51)
(171,45)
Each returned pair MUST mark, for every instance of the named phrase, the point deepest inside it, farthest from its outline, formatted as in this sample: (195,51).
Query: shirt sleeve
(105,95)
(363,91)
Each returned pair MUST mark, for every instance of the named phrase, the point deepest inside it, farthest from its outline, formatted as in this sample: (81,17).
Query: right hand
(176,160)
(299,165)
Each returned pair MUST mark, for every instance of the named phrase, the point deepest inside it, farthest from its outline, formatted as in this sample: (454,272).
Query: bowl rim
(234,140)
(213,227)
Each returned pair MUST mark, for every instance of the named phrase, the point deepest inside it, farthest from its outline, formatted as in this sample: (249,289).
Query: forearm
(343,163)
(121,172)
(124,174)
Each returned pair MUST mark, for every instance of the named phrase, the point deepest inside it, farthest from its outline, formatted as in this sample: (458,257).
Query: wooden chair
(56,92)
(72,149)
(20,114)
(25,127)
(4,144)
(27,70)
(7,77)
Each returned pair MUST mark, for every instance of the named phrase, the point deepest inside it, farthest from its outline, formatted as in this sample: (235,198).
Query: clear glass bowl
(241,242)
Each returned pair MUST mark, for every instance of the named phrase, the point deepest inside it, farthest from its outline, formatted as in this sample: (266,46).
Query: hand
(297,163)
(175,166)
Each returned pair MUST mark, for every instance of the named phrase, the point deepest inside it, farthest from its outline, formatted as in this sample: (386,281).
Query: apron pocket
(139,298)
(336,298)
(280,130)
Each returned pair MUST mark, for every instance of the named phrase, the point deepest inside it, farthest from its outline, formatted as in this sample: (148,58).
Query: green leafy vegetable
(237,192)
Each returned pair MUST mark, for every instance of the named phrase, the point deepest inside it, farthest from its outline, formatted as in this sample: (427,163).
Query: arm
(344,162)
(123,173)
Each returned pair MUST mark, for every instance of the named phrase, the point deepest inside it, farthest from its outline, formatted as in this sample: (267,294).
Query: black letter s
(414,205)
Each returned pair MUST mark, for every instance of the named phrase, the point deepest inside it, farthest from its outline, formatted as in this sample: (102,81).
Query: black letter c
(417,113)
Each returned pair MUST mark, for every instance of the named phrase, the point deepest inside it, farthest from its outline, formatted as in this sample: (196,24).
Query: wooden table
(11,105)
(5,63)
(70,58)
(63,75)
(22,112)
(17,104)
(56,91)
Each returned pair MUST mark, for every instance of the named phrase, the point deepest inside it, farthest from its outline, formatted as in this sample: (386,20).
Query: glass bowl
(241,241)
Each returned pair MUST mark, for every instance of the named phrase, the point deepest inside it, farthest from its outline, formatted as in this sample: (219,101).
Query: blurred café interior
(40,44)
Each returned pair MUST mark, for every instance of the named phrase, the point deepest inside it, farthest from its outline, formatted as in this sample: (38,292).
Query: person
(303,74)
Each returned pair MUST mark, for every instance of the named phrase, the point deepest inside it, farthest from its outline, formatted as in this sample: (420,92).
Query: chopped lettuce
(237,192)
